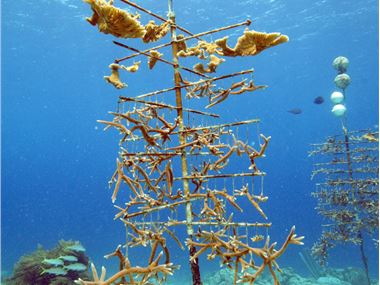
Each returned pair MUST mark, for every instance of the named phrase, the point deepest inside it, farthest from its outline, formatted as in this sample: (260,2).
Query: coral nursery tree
(347,191)
(170,167)
(347,169)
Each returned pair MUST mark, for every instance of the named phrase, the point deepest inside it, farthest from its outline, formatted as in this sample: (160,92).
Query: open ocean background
(57,161)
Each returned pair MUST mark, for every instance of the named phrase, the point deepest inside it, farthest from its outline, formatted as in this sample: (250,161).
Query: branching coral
(211,66)
(149,170)
(234,250)
(155,32)
(155,55)
(134,67)
(152,270)
(221,95)
(114,78)
(199,50)
(112,20)
(348,194)
(137,274)
(251,43)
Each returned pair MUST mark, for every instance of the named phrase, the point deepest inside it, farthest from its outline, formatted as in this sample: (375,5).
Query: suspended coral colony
(173,186)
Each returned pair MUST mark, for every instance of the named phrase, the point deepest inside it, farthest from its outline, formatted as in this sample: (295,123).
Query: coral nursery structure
(174,173)
(348,189)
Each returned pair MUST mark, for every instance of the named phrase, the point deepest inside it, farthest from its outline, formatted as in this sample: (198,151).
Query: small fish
(55,271)
(54,262)
(76,247)
(76,267)
(295,111)
(69,258)
(319,100)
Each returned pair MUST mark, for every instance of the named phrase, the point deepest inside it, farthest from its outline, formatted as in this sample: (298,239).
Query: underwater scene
(190,142)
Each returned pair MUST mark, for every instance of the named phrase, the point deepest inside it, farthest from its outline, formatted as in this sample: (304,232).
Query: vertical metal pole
(350,176)
(182,139)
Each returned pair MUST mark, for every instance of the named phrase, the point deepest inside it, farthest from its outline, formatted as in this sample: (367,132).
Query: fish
(76,247)
(76,267)
(55,271)
(69,258)
(295,111)
(319,100)
(51,261)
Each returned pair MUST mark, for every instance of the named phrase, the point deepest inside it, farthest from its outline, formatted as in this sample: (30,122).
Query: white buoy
(337,97)
(339,110)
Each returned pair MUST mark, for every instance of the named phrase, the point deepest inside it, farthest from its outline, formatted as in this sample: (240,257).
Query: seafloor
(287,276)
(342,276)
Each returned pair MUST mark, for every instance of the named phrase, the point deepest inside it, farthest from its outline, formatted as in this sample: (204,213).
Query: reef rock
(329,280)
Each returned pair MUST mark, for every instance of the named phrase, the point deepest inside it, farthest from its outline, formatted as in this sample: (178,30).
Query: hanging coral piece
(211,66)
(115,21)
(155,55)
(181,45)
(251,43)
(132,68)
(198,50)
(155,32)
(221,95)
(210,48)
(114,78)
(193,51)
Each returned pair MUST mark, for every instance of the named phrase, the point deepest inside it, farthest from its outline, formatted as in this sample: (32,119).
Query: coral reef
(61,265)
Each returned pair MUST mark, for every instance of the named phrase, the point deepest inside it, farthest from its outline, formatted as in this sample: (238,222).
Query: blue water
(56,160)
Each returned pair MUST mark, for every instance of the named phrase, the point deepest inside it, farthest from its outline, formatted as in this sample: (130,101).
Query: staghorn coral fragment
(198,50)
(251,43)
(214,62)
(199,67)
(181,45)
(155,32)
(211,66)
(155,55)
(114,21)
(193,51)
(133,68)
(210,48)
(114,78)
